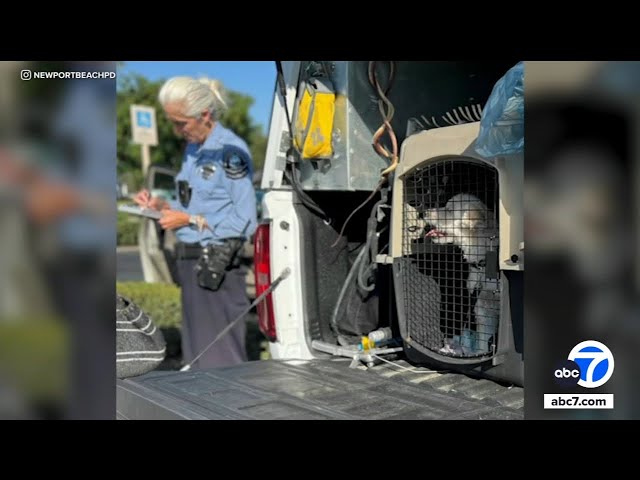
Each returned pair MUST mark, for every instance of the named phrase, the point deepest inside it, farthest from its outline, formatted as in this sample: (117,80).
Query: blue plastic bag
(502,123)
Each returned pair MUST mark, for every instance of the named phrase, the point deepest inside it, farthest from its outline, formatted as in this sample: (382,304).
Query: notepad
(142,212)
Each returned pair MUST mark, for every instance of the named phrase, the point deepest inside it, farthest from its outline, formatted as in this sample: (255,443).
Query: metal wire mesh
(450,239)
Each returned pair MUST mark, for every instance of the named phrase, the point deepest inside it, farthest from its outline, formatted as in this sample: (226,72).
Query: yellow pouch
(314,120)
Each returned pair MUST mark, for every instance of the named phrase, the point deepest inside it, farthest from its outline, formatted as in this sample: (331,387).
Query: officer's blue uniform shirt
(219,173)
(87,119)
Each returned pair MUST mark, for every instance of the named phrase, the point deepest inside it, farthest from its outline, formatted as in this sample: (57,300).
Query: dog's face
(463,215)
(464,221)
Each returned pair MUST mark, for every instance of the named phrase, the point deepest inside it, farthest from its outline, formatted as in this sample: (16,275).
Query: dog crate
(457,258)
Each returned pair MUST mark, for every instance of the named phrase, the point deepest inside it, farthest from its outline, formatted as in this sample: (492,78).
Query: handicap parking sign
(144,119)
(143,125)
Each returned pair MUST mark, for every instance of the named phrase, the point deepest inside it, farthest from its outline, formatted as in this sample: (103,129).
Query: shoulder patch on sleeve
(235,162)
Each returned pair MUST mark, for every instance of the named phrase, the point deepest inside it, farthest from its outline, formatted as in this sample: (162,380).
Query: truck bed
(316,389)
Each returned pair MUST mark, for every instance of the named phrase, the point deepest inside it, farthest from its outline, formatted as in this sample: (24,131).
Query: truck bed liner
(316,389)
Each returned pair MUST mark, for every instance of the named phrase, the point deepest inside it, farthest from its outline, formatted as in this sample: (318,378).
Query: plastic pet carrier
(457,251)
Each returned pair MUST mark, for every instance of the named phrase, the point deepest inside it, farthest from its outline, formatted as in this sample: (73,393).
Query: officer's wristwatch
(193,220)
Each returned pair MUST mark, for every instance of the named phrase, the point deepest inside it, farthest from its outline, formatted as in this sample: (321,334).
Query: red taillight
(262,266)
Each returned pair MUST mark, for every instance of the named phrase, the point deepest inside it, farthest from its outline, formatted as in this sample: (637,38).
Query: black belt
(188,251)
(192,251)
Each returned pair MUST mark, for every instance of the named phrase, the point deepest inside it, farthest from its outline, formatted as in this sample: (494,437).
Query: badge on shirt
(235,162)
(206,171)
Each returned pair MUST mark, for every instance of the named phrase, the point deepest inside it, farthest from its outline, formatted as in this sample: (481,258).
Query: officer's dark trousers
(206,313)
(84,292)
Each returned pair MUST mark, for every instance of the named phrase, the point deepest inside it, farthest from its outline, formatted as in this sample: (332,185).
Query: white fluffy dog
(466,222)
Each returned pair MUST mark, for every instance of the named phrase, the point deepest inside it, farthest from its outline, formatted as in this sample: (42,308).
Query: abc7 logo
(567,374)
(590,365)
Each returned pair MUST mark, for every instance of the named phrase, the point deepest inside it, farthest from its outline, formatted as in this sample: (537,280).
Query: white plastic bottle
(381,334)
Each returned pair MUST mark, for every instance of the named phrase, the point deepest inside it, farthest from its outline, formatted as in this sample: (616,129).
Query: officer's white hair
(197,95)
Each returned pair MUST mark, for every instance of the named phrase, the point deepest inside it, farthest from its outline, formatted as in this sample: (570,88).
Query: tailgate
(316,389)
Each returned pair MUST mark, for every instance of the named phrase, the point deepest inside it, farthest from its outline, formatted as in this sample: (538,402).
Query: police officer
(215,212)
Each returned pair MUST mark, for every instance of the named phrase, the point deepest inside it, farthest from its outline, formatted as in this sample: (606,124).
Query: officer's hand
(145,200)
(172,219)
(142,198)
(46,202)
(158,203)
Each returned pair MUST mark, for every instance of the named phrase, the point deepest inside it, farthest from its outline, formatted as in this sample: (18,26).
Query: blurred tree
(237,118)
(136,89)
